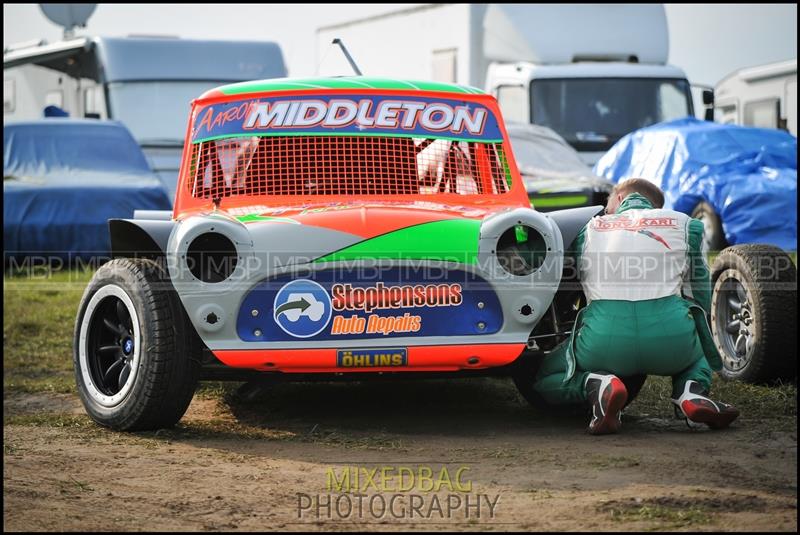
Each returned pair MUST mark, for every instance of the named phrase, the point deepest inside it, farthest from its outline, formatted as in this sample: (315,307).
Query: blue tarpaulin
(64,179)
(748,175)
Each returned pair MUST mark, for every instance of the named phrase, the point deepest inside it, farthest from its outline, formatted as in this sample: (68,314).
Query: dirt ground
(265,464)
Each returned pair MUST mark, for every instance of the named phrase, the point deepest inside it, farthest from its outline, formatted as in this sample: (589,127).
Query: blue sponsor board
(372,358)
(348,304)
(347,115)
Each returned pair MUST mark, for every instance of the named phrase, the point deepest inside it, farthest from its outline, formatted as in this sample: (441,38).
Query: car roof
(339,83)
(58,145)
(64,122)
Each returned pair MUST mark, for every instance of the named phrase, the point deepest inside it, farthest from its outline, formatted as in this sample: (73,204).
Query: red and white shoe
(607,394)
(698,409)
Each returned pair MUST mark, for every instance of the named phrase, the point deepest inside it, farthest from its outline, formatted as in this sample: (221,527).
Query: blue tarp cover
(748,175)
(64,179)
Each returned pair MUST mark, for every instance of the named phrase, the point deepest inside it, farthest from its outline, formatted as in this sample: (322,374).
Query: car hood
(543,181)
(368,220)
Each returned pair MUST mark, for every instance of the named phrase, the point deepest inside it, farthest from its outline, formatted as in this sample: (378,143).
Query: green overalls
(663,336)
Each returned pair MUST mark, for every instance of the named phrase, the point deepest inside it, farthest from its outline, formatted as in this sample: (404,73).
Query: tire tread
(776,313)
(170,372)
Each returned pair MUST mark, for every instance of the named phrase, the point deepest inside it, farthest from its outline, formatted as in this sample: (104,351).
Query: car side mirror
(708,97)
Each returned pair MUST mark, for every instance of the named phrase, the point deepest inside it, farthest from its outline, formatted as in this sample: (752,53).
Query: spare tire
(754,313)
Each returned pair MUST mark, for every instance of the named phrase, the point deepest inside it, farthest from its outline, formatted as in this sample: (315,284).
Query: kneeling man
(644,273)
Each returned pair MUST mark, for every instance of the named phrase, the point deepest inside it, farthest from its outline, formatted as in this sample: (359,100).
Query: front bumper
(445,358)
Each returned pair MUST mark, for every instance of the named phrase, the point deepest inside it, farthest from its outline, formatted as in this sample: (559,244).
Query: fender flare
(140,238)
(572,220)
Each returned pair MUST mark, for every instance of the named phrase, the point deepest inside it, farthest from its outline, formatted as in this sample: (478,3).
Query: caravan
(144,82)
(764,96)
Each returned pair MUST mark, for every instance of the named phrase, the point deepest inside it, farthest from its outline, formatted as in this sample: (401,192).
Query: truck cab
(590,104)
(592,74)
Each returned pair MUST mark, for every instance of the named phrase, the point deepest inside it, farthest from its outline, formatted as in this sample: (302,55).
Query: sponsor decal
(606,224)
(371,358)
(302,308)
(652,236)
(639,226)
(357,114)
(347,297)
(334,305)
(375,324)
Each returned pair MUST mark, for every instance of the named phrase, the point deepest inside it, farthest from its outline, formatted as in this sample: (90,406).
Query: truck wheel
(133,353)
(754,313)
(714,235)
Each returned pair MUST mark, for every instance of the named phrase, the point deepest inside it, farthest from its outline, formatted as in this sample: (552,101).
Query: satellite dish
(69,16)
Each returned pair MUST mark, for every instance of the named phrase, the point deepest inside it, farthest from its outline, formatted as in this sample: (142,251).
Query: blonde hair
(643,187)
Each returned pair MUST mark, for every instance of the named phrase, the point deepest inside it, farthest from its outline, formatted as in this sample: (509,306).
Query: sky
(708,41)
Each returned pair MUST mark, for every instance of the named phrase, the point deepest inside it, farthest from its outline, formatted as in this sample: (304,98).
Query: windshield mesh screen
(345,165)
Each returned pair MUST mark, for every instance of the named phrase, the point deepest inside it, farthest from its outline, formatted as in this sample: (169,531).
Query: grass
(681,511)
(667,517)
(38,323)
(778,402)
(49,419)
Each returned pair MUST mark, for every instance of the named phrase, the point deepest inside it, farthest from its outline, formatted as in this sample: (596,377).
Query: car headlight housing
(521,250)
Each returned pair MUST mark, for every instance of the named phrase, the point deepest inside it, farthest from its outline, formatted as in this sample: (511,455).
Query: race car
(552,171)
(332,227)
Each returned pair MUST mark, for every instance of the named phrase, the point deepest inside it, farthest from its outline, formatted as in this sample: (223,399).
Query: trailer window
(54,98)
(9,96)
(762,113)
(93,102)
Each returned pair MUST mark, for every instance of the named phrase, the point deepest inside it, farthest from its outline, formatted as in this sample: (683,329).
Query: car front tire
(134,351)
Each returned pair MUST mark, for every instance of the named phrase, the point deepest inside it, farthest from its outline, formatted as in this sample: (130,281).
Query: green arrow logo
(302,304)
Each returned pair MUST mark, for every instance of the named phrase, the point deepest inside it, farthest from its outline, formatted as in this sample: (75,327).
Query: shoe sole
(710,416)
(610,423)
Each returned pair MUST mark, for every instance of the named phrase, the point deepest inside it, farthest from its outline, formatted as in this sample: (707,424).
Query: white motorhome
(592,73)
(763,96)
(145,82)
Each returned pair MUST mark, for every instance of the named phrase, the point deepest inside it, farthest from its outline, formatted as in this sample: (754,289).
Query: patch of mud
(42,402)
(241,465)
(730,503)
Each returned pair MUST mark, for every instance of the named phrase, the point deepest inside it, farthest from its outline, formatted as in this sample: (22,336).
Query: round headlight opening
(521,250)
(211,257)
